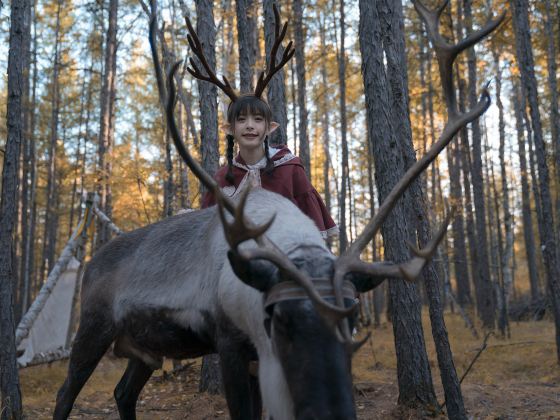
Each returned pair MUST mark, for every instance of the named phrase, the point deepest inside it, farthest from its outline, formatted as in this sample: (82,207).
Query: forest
(87,154)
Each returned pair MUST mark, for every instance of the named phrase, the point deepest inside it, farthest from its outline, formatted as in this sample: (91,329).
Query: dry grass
(514,378)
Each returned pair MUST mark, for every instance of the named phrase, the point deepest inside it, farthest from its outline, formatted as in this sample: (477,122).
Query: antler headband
(225,86)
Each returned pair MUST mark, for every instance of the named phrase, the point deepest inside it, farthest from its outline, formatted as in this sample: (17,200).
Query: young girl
(249,123)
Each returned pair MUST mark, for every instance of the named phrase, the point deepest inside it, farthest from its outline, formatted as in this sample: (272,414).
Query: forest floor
(516,378)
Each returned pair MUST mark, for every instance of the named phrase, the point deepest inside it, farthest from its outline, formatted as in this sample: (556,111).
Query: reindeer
(235,281)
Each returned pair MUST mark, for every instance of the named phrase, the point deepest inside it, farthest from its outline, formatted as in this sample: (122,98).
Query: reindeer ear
(259,274)
(364,282)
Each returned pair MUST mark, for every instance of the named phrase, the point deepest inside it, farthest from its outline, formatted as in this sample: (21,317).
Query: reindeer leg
(241,389)
(127,391)
(94,337)
(256,400)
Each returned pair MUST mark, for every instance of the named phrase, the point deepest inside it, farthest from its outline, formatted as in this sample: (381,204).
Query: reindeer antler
(225,86)
(196,47)
(286,56)
(446,54)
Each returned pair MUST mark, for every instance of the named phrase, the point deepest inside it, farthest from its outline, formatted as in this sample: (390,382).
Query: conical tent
(49,332)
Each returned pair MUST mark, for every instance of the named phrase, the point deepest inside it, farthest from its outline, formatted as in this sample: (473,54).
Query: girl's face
(250,130)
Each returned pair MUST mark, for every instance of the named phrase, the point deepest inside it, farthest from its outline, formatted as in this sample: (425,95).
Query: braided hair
(229,154)
(247,104)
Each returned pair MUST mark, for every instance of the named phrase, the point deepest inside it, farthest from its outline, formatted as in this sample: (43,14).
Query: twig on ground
(475,358)
(519,343)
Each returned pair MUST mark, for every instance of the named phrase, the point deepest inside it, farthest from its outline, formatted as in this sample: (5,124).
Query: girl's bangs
(249,105)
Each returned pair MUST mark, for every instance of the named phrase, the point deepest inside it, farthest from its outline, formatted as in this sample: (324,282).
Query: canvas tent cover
(50,329)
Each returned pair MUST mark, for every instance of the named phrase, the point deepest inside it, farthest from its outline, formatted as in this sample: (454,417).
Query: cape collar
(279,156)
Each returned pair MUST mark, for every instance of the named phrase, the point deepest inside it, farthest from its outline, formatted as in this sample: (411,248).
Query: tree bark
(529,82)
(392,23)
(107,122)
(413,371)
(27,147)
(299,39)
(10,394)
(247,40)
(29,262)
(210,376)
(325,119)
(464,155)
(528,233)
(552,70)
(345,176)
(485,299)
(507,251)
(49,233)
(276,94)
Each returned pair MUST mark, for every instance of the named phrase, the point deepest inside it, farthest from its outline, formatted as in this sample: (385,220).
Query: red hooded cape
(288,179)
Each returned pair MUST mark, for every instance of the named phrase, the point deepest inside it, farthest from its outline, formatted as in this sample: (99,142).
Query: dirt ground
(515,378)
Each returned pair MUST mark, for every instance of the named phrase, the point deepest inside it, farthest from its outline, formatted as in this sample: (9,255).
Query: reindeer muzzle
(291,290)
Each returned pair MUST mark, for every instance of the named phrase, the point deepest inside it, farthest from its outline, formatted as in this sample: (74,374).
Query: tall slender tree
(485,295)
(107,121)
(529,82)
(390,12)
(507,250)
(345,176)
(247,40)
(276,94)
(10,402)
(528,233)
(27,149)
(413,371)
(552,70)
(325,116)
(299,38)
(51,214)
(208,99)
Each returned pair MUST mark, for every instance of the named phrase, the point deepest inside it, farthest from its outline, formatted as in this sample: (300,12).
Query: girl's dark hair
(247,104)
(229,154)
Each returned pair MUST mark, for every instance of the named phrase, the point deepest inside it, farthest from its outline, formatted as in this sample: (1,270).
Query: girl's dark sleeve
(310,202)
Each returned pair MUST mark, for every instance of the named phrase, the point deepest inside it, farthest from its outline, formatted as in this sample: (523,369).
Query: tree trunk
(507,251)
(344,178)
(247,40)
(485,299)
(413,371)
(299,39)
(495,239)
(107,123)
(50,211)
(526,201)
(554,114)
(27,147)
(392,23)
(276,91)
(463,152)
(378,291)
(29,261)
(325,118)
(529,82)
(10,394)
(210,376)
(168,190)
